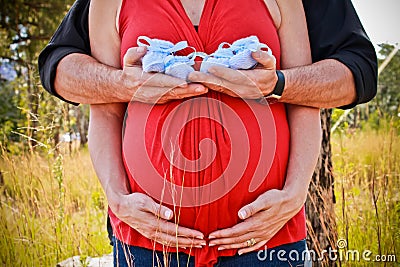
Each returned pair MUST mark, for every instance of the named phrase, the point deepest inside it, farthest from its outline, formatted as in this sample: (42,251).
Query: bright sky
(381,19)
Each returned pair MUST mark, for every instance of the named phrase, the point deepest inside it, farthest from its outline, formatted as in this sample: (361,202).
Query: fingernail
(199,237)
(168,213)
(183,85)
(203,243)
(211,244)
(141,49)
(221,248)
(198,246)
(211,236)
(242,214)
(240,252)
(199,89)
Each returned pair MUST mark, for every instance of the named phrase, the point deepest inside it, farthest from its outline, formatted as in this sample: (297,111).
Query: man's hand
(151,220)
(153,87)
(247,84)
(263,218)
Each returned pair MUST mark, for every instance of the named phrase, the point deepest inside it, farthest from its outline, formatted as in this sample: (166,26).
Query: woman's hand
(263,218)
(152,87)
(246,84)
(151,220)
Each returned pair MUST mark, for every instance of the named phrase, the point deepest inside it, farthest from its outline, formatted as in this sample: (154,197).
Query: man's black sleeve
(336,32)
(72,36)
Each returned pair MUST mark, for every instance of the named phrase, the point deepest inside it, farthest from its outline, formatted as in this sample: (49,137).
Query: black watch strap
(280,84)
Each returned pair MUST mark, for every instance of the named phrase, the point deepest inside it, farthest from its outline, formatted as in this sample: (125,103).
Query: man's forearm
(82,79)
(324,84)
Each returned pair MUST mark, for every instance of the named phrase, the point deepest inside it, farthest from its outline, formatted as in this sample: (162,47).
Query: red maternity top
(207,156)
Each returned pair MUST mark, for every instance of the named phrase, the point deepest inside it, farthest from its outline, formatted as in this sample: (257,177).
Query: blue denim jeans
(284,255)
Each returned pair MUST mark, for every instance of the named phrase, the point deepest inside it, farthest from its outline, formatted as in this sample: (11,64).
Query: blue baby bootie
(220,57)
(236,56)
(242,50)
(179,66)
(157,52)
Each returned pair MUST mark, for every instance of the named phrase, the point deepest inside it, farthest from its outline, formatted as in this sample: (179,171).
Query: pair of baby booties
(160,56)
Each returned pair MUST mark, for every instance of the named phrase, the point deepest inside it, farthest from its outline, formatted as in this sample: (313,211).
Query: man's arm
(344,73)
(81,78)
(348,70)
(69,72)
(71,37)
(346,76)
(324,84)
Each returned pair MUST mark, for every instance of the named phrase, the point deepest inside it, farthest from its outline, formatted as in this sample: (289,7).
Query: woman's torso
(217,153)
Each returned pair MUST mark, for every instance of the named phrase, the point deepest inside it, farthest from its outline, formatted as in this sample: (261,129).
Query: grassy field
(53,208)
(367,173)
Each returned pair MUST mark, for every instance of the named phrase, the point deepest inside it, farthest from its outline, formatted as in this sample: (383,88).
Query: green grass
(54,208)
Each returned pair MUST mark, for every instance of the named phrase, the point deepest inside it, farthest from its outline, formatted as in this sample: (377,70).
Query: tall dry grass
(51,208)
(367,189)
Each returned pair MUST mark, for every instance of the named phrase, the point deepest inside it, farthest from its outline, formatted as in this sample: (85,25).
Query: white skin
(262,218)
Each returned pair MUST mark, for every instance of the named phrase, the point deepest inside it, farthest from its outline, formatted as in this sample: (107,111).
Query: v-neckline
(189,21)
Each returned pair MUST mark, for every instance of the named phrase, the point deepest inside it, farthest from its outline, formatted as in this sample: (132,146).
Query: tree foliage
(383,111)
(29,115)
(388,97)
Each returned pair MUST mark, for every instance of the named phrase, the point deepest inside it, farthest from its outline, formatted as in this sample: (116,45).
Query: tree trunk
(82,124)
(321,225)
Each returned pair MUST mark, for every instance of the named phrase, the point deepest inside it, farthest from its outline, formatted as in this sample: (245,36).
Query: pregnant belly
(207,156)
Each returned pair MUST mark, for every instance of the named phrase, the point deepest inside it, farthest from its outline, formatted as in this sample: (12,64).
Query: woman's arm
(105,143)
(304,122)
(264,217)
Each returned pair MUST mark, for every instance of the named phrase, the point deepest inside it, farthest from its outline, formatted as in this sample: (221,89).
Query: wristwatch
(276,94)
